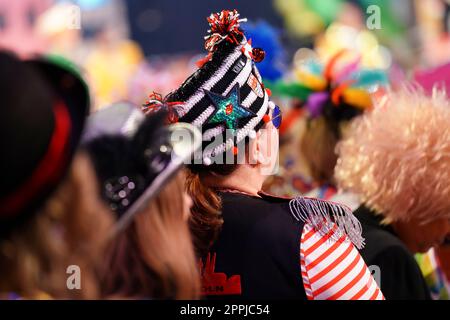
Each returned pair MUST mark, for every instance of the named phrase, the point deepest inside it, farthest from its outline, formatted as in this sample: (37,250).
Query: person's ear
(255,149)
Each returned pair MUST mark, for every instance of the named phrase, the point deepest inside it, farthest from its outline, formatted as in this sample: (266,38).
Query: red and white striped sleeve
(334,270)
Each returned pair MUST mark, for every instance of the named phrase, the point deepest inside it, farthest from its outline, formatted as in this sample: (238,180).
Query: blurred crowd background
(129,48)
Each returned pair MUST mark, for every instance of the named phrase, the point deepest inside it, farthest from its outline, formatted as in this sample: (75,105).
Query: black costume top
(400,275)
(259,245)
(265,250)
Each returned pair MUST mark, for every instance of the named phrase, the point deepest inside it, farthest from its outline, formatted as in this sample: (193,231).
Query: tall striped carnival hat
(225,97)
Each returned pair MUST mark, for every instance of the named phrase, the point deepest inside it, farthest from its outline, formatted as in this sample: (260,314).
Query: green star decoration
(228,109)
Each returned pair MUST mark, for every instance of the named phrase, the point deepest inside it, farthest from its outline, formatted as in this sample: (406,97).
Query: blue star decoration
(228,109)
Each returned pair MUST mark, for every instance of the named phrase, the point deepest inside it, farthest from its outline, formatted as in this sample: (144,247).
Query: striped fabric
(229,65)
(334,270)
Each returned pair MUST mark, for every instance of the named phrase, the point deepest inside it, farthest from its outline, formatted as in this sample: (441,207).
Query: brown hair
(153,257)
(206,220)
(318,147)
(68,230)
(206,217)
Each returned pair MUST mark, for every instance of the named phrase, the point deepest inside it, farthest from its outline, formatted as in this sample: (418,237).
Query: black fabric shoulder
(267,217)
(379,240)
(260,241)
(265,226)
(378,237)
(400,276)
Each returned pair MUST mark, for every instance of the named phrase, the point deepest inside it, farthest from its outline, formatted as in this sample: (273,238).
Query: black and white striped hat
(226,92)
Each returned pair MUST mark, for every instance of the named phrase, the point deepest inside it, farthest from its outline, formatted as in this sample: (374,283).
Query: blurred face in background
(420,237)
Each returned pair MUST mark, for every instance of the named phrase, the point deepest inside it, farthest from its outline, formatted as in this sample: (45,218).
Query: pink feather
(438,76)
(347,70)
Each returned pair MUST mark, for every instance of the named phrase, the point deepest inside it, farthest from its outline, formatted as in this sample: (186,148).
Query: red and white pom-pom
(153,104)
(223,25)
(156,103)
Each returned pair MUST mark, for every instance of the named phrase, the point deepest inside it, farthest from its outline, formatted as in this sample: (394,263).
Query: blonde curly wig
(397,157)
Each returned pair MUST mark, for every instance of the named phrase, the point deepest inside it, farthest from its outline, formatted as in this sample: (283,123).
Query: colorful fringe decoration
(336,90)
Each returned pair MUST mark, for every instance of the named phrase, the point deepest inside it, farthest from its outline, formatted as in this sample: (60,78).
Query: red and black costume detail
(263,251)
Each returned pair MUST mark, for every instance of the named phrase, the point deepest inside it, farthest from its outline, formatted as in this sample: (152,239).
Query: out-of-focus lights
(149,20)
(302,56)
(363,44)
(386,57)
(344,35)
(91,4)
(366,41)
(55,19)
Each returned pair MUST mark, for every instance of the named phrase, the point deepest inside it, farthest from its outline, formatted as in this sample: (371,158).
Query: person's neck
(245,179)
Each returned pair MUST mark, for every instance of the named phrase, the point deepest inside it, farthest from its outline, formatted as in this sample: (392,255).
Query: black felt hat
(44,105)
